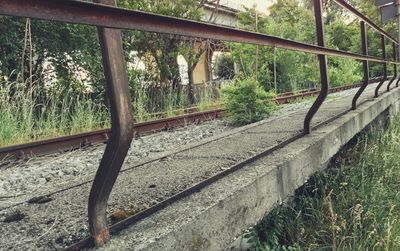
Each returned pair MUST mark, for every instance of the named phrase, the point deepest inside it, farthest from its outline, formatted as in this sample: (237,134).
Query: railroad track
(67,143)
(115,228)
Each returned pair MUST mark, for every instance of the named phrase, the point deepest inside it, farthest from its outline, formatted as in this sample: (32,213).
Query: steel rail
(66,143)
(87,139)
(364,18)
(88,242)
(332,90)
(79,12)
(297,92)
(117,227)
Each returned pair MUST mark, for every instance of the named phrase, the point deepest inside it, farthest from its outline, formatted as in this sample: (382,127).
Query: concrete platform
(213,217)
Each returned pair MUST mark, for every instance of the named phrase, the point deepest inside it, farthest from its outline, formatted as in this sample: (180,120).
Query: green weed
(353,205)
(247,102)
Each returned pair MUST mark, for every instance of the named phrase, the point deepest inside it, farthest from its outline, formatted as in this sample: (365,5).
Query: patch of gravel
(22,180)
(25,178)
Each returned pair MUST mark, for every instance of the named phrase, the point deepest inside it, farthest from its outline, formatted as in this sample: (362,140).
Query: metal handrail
(78,12)
(362,17)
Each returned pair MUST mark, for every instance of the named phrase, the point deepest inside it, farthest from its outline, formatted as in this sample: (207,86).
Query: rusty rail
(109,19)
(97,137)
(79,12)
(364,46)
(364,18)
(67,143)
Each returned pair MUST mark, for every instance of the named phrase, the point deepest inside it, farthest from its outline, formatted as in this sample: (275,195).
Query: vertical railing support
(383,45)
(397,58)
(364,47)
(394,68)
(398,80)
(323,68)
(121,130)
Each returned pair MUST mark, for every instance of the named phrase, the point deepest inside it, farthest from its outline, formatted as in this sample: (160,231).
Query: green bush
(247,102)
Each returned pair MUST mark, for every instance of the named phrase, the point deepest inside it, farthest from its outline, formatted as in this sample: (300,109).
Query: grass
(353,205)
(23,118)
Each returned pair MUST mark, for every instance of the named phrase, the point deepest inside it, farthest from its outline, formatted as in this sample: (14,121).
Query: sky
(262,5)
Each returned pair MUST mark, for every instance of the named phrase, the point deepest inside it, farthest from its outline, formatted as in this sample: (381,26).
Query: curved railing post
(365,65)
(121,130)
(323,68)
(394,68)
(384,66)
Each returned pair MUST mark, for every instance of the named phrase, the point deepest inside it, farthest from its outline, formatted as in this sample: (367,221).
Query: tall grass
(24,118)
(354,205)
(29,114)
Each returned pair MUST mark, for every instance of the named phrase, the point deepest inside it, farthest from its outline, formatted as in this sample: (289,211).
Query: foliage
(294,19)
(343,71)
(354,205)
(247,102)
(225,67)
(295,70)
(243,54)
(68,48)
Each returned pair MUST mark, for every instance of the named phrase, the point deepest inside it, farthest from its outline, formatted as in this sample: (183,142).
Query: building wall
(220,17)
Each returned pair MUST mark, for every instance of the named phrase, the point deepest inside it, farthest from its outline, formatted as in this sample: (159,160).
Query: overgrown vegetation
(247,102)
(23,118)
(354,205)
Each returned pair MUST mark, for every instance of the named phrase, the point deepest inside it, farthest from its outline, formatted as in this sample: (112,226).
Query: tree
(64,46)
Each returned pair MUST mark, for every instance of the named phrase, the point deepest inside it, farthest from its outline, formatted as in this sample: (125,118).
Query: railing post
(394,67)
(323,68)
(365,65)
(384,66)
(397,59)
(121,130)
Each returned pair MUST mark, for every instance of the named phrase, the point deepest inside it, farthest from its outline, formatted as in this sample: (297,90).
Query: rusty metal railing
(110,19)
